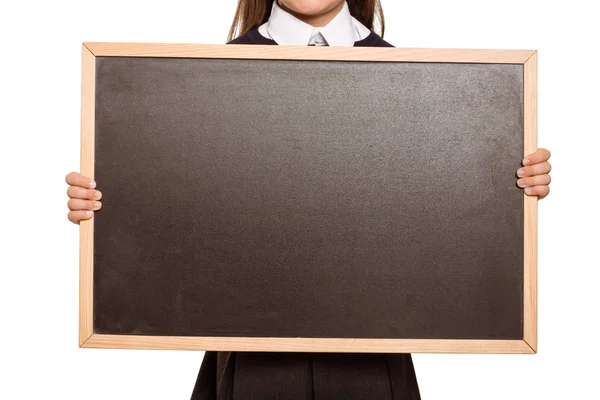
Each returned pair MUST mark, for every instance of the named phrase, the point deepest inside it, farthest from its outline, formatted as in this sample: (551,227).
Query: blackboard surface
(278,198)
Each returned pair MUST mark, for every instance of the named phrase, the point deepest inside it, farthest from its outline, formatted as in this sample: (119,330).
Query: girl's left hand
(534,176)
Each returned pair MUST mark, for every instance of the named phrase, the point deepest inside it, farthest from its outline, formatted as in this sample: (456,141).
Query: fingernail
(97,204)
(89,212)
(528,190)
(526,161)
(97,195)
(521,172)
(92,184)
(521,182)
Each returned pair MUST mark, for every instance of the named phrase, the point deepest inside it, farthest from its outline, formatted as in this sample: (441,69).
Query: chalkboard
(307,200)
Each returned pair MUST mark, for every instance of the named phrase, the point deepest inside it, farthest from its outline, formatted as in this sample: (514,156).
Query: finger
(540,155)
(79,204)
(76,216)
(541,191)
(77,192)
(536,169)
(534,180)
(76,179)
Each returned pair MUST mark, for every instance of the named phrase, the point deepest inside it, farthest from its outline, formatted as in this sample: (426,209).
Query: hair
(251,14)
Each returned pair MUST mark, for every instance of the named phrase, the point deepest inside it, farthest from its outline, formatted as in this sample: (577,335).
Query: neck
(318,20)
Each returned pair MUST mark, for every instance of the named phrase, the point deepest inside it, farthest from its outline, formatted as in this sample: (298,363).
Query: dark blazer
(254,37)
(305,376)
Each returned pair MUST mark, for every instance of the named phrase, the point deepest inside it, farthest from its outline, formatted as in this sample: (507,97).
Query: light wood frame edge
(86,227)
(88,339)
(333,53)
(308,344)
(530,203)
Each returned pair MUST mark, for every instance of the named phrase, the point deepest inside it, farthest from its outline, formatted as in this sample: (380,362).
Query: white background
(39,127)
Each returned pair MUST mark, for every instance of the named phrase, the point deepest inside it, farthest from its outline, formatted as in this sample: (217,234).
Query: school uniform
(307,376)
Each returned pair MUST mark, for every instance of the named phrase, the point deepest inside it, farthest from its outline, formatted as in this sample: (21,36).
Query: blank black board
(326,199)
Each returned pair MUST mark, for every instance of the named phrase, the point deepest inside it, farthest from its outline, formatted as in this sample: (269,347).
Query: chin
(309,7)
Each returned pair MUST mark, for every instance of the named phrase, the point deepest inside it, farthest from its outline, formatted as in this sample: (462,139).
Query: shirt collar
(286,29)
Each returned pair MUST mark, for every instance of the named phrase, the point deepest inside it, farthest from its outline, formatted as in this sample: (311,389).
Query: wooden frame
(87,338)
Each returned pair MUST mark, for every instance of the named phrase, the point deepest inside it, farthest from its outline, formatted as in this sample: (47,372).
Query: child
(290,376)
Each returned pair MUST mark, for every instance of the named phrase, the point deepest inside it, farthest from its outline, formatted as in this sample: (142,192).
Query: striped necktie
(317,39)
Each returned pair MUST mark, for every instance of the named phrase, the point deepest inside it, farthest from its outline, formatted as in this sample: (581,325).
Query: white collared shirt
(286,29)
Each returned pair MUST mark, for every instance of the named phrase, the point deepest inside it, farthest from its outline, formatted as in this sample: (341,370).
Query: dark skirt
(305,376)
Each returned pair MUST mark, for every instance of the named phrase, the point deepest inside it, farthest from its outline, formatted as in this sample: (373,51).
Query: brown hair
(253,13)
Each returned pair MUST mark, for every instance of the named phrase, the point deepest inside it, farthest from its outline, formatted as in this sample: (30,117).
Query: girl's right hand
(83,199)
